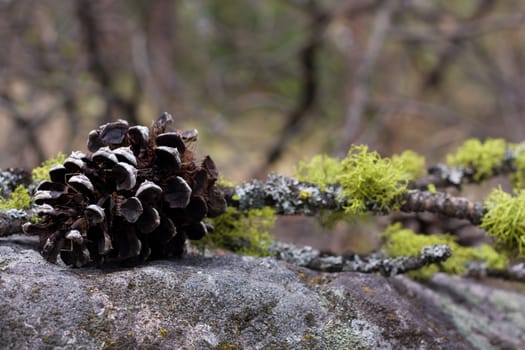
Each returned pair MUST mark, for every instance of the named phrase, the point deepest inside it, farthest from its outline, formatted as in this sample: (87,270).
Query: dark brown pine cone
(137,196)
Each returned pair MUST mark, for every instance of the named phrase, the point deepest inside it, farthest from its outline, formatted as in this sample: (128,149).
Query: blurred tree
(267,81)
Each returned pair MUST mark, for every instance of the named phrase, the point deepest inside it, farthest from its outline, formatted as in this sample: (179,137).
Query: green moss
(431,188)
(405,242)
(19,199)
(505,220)
(243,232)
(41,172)
(367,178)
(483,157)
(321,170)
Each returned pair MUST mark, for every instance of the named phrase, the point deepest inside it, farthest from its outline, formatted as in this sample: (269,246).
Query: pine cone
(137,196)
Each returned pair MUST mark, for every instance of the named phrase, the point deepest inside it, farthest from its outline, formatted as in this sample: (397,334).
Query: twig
(315,260)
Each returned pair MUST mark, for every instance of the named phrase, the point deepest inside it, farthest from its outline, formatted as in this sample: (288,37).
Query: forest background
(266,83)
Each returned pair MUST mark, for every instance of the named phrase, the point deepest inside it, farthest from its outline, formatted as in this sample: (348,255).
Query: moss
(405,242)
(41,172)
(19,199)
(431,188)
(483,157)
(244,232)
(505,220)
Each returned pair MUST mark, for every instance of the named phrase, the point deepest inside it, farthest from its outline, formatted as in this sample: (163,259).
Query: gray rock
(235,302)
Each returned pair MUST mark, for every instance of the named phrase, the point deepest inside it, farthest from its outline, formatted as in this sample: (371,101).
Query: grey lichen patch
(287,196)
(11,178)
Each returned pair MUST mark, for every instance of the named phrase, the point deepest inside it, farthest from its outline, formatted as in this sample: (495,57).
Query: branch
(11,221)
(315,260)
(511,273)
(289,196)
(442,175)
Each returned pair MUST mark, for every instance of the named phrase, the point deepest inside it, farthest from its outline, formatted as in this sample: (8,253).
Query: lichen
(412,163)
(366,178)
(482,157)
(518,176)
(321,170)
(41,172)
(505,220)
(405,242)
(19,199)
(243,232)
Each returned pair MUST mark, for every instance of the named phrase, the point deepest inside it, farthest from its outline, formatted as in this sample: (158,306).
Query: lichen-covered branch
(442,175)
(11,221)
(285,195)
(290,197)
(511,273)
(443,203)
(375,263)
(474,162)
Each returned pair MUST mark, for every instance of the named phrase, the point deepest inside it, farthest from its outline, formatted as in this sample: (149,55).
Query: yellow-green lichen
(411,162)
(321,170)
(517,178)
(367,178)
(41,172)
(505,219)
(405,242)
(483,157)
(243,232)
(19,199)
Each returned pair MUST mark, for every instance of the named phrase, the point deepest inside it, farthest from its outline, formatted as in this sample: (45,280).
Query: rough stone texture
(235,302)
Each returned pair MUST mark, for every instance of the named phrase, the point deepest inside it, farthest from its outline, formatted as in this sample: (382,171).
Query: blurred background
(266,83)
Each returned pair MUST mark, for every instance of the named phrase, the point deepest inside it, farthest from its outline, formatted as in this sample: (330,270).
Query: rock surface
(235,302)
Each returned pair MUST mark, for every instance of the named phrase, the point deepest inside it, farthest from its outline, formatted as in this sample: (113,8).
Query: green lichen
(243,232)
(482,157)
(19,199)
(517,178)
(41,172)
(222,182)
(505,220)
(412,163)
(366,178)
(405,242)
(321,170)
